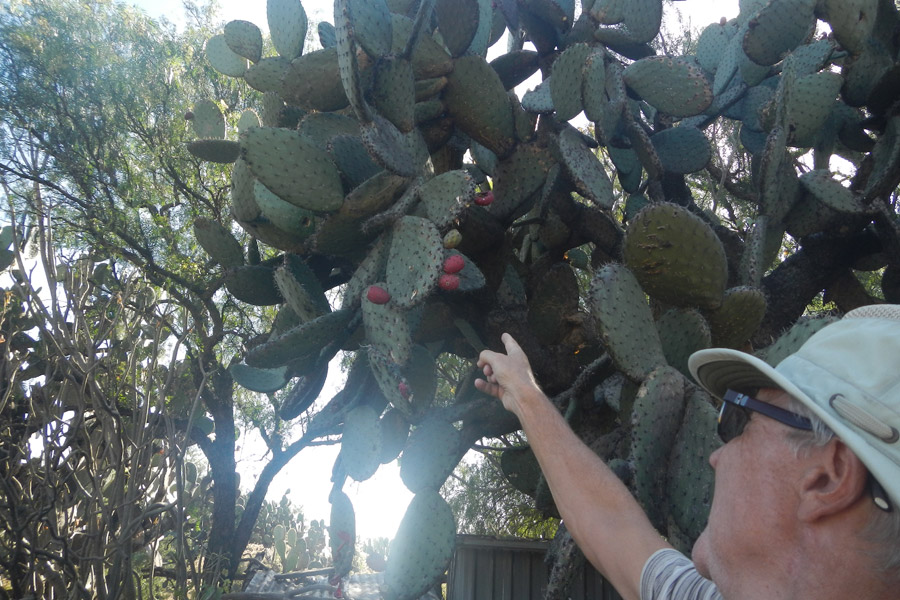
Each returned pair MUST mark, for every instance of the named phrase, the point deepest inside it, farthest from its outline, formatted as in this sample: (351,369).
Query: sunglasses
(737,409)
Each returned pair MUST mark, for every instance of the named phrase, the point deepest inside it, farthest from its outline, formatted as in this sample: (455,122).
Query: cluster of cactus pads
(396,164)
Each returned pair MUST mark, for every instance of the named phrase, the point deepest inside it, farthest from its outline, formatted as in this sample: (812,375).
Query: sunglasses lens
(732,420)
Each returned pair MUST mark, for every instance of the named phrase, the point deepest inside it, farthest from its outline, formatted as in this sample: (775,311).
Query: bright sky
(381,501)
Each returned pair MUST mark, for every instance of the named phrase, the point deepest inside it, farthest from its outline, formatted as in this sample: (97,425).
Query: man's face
(754,510)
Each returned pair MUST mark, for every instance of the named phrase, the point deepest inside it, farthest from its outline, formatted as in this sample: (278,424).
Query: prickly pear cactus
(396,173)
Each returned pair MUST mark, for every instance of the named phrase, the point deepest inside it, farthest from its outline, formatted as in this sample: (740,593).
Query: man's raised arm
(605,520)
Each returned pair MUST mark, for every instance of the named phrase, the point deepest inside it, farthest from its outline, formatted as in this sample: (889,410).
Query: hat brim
(721,369)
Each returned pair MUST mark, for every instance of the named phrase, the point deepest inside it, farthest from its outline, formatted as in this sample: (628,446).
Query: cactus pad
(618,304)
(477,101)
(287,26)
(361,443)
(655,417)
(218,242)
(740,315)
(676,257)
(421,551)
(682,331)
(682,149)
(446,196)
(218,151)
(293,168)
(675,86)
(414,261)
(342,532)
(302,341)
(223,59)
(245,39)
(430,455)
(585,169)
(264,381)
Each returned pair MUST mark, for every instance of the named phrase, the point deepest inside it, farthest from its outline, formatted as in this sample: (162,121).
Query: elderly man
(807,492)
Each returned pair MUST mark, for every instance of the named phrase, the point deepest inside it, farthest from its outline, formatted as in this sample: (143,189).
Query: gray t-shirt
(670,575)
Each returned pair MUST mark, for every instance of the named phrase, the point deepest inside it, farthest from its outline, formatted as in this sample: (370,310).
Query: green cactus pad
(429,59)
(293,168)
(690,478)
(287,26)
(321,128)
(585,169)
(218,242)
(642,19)
(208,122)
(851,21)
(393,91)
(521,469)
(301,289)
(777,29)
(676,257)
(682,331)
(593,88)
(728,64)
(327,35)
(223,59)
(518,177)
(414,261)
(740,315)
(515,67)
(642,146)
(812,57)
(370,22)
(370,270)
(352,159)
(832,193)
(374,195)
(712,43)
(387,329)
(361,443)
(305,391)
(217,151)
(470,278)
(628,167)
(430,455)
(791,340)
(675,86)
(390,380)
(403,154)
(607,12)
(423,112)
(682,149)
(341,532)
(313,82)
(655,417)
(809,105)
(394,435)
(566,81)
(422,549)
(302,341)
(268,74)
(620,307)
(248,119)
(477,101)
(538,100)
(245,39)
(253,285)
(445,197)
(457,22)
(264,381)
(289,218)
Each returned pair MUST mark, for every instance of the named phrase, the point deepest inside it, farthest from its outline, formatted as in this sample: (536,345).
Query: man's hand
(509,375)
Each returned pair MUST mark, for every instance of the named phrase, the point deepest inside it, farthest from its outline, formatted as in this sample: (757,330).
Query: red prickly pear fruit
(188,116)
(485,199)
(448,282)
(403,388)
(377,295)
(452,239)
(454,264)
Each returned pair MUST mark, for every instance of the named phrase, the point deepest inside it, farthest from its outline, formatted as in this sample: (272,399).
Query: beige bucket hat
(847,373)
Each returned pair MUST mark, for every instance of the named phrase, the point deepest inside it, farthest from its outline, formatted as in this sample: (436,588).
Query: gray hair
(883,529)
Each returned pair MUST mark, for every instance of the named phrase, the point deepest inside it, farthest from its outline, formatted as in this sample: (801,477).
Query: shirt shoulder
(669,574)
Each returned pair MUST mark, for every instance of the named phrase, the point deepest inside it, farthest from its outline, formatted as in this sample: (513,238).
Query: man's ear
(834,480)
